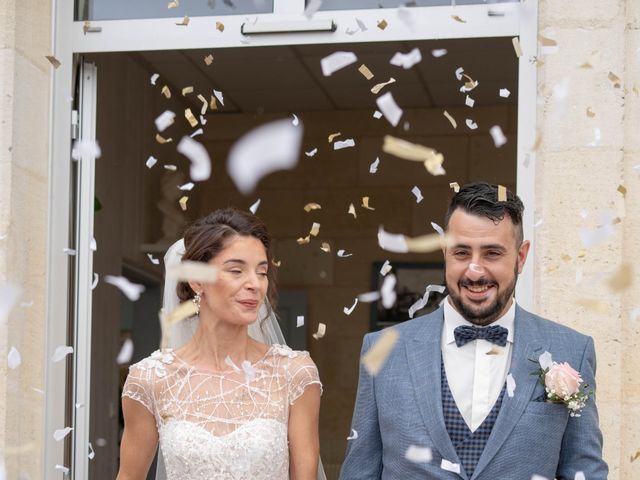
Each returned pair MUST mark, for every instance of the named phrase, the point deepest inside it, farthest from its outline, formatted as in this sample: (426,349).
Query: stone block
(632,86)
(595,13)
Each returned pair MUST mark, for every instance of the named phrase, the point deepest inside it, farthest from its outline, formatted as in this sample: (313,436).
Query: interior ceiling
(288,78)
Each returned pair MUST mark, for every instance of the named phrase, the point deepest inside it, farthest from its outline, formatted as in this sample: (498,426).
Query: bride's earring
(197,298)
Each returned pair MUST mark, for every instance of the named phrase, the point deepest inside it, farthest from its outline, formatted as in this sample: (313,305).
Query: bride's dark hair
(209,235)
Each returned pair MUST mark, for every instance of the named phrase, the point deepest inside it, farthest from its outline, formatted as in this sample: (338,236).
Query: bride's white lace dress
(229,425)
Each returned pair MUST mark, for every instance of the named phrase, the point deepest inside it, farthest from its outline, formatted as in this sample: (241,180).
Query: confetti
(92,453)
(416,191)
(431,159)
(597,137)
(406,60)
(61,433)
(353,436)
(312,7)
(315,229)
(183,203)
(218,94)
(590,113)
(504,92)
(69,251)
(299,321)
(85,148)
(449,466)
(382,24)
(471,124)
(184,310)
(365,203)
(187,187)
(376,88)
(392,242)
(322,329)
(458,19)
(366,73)
(213,103)
(621,279)
(153,260)
(188,114)
(208,60)
(332,136)
(295,122)
(459,71)
(348,310)
(154,78)
(361,25)
(311,153)
(184,22)
(377,355)
(516,46)
(53,60)
(303,240)
(469,102)
(173,4)
(169,167)
(96,277)
(635,456)
(594,304)
(452,120)
(422,302)
(389,108)
(579,476)
(161,140)
(196,133)
(388,291)
(220,26)
(61,353)
(187,90)
(373,168)
(325,247)
(343,254)
(339,145)
(14,359)
(377,114)
(455,186)
(166,92)
(417,454)
(498,136)
(9,295)
(62,468)
(249,371)
(200,168)
(254,208)
(151,161)
(187,271)
(502,193)
(614,79)
(622,189)
(386,268)
(369,297)
(511,385)
(439,52)
(352,210)
(131,290)
(312,206)
(265,149)
(336,61)
(126,352)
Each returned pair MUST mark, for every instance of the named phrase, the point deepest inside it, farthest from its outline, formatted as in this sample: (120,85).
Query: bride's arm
(139,441)
(304,441)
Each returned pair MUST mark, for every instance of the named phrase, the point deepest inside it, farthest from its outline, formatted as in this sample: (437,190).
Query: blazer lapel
(424,359)
(527,345)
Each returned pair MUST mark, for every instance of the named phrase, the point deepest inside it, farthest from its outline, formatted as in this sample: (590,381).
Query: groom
(456,397)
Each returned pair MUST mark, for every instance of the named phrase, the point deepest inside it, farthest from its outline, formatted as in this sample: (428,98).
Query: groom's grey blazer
(402,406)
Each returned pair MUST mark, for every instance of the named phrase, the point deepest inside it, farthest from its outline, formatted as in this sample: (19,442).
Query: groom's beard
(490,313)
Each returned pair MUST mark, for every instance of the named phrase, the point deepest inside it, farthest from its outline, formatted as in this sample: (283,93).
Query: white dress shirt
(476,372)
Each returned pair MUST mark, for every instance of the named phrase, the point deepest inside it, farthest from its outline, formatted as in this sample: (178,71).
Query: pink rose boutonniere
(562,384)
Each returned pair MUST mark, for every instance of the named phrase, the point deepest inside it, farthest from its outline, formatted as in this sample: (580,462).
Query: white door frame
(69,38)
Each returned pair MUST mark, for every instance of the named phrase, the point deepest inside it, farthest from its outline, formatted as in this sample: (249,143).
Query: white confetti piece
(597,138)
(437,228)
(295,122)
(219,96)
(343,253)
(322,330)
(200,168)
(69,251)
(85,148)
(164,120)
(450,466)
(377,355)
(96,278)
(28,304)
(417,454)
(9,295)
(203,120)
(152,259)
(459,72)
(498,136)
(249,371)
(187,271)
(61,353)
(93,245)
(406,60)
(299,321)
(388,292)
(353,435)
(469,102)
(14,359)
(126,352)
(312,7)
(511,385)
(538,223)
(377,114)
(418,194)
(471,124)
(61,433)
(386,268)
(231,364)
(373,168)
(171,168)
(422,302)
(389,108)
(348,310)
(504,92)
(199,131)
(369,297)
(392,242)
(254,208)
(538,477)
(439,52)
(151,161)
(336,61)
(311,153)
(131,290)
(153,78)
(62,468)
(265,149)
(545,360)
(340,144)
(187,187)
(579,476)
(92,453)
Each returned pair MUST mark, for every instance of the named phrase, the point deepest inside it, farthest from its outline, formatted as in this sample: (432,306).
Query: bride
(230,403)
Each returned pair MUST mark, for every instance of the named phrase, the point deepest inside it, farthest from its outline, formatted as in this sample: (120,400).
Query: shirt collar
(453,319)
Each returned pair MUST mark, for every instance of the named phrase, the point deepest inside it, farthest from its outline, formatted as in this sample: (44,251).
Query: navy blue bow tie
(494,334)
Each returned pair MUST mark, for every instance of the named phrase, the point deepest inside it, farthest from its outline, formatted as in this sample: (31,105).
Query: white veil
(267,331)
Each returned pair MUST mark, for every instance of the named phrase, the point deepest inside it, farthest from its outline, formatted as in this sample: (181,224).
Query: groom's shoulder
(411,328)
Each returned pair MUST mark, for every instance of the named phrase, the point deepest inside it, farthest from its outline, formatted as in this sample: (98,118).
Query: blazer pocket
(546,409)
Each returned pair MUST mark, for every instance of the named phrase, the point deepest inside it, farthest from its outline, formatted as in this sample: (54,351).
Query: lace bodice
(229,425)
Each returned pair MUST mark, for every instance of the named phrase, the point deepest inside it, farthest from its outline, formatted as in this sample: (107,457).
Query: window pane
(365,4)
(127,9)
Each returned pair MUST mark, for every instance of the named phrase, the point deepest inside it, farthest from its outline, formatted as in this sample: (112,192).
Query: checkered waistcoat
(469,445)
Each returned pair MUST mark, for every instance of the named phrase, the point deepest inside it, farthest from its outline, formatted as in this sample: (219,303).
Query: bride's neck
(214,341)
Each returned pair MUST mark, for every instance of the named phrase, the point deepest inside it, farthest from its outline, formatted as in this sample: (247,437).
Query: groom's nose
(474,271)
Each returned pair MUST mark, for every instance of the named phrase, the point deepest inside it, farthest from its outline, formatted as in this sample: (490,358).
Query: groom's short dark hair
(481,199)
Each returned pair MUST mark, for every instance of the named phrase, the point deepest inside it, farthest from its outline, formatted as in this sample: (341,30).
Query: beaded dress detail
(227,425)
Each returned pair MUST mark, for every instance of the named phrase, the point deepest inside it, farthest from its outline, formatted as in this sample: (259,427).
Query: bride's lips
(252,304)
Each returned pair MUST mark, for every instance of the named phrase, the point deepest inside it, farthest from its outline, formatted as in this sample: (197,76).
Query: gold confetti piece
(590,113)
(276,264)
(622,189)
(470,84)
(377,355)
(188,271)
(635,456)
(382,24)
(502,193)
(364,70)
(494,351)
(312,206)
(621,279)
(376,88)
(333,135)
(220,26)
(187,90)
(53,60)
(566,258)
(412,151)
(516,46)
(586,66)
(614,79)
(322,329)
(203,109)
(325,247)
(430,242)
(208,59)
(452,120)
(184,22)
(184,310)
(213,104)
(547,42)
(352,210)
(304,240)
(173,4)
(616,221)
(365,203)
(595,304)
(160,139)
(190,118)
(537,142)
(86,26)
(455,186)
(582,253)
(458,19)
(315,229)
(183,203)
(166,92)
